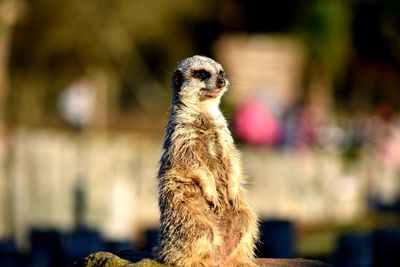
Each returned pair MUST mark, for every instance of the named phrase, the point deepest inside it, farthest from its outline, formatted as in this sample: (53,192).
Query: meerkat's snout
(216,85)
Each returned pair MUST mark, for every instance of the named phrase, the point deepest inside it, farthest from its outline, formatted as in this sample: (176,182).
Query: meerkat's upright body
(205,219)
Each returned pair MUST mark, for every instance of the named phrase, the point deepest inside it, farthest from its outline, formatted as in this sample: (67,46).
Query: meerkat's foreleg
(234,184)
(205,180)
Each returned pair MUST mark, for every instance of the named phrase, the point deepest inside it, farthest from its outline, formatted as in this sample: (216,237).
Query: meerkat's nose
(221,82)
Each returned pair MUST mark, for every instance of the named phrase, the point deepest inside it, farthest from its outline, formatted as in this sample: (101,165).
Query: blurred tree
(11,12)
(131,43)
(326,27)
(373,77)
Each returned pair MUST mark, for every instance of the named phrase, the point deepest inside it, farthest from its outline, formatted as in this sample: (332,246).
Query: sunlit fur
(205,219)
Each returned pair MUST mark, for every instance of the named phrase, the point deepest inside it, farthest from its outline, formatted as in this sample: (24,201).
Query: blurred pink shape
(391,151)
(256,124)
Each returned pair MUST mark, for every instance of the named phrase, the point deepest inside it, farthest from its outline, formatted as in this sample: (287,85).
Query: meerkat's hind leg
(201,254)
(240,258)
(243,254)
(197,253)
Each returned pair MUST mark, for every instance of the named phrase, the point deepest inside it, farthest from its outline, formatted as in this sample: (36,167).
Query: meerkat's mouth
(211,93)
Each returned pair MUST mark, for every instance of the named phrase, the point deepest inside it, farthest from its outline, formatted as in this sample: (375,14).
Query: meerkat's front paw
(214,203)
(212,199)
(233,197)
(234,203)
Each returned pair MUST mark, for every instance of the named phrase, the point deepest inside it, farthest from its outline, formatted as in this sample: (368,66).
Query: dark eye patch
(201,74)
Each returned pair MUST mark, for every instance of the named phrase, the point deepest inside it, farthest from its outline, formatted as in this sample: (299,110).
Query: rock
(106,259)
(290,263)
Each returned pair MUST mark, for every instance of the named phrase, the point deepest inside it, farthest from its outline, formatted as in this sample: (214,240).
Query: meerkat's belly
(226,236)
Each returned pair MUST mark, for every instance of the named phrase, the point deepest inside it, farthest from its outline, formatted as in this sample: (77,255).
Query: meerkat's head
(199,80)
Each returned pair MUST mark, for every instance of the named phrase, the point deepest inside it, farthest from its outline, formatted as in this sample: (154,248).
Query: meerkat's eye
(201,74)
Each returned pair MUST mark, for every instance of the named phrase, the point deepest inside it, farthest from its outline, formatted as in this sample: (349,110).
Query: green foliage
(328,34)
(95,32)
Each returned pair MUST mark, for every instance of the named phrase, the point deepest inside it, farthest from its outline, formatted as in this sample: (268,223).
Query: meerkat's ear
(177,80)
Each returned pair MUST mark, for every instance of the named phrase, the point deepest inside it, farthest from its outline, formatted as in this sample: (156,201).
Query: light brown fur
(205,219)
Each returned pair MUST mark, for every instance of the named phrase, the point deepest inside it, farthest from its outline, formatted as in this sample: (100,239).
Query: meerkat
(205,220)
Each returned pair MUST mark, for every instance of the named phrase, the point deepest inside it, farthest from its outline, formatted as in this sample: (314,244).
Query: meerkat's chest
(214,144)
(215,155)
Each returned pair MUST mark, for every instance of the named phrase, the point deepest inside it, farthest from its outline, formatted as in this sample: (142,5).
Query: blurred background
(313,104)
